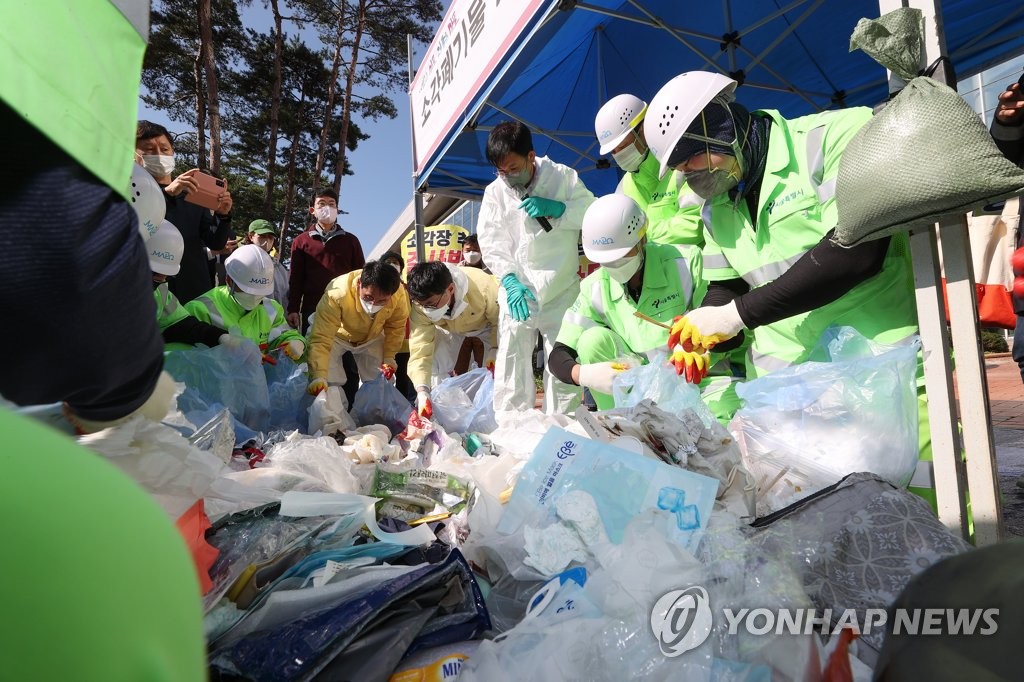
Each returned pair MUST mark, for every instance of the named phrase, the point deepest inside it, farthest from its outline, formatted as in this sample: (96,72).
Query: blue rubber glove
(539,207)
(516,294)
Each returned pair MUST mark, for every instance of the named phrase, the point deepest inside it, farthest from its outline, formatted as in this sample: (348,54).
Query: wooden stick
(652,320)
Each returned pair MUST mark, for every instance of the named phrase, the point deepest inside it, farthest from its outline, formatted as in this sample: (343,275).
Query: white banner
(472,40)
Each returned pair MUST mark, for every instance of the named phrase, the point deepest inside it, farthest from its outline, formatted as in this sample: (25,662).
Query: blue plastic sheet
(303,647)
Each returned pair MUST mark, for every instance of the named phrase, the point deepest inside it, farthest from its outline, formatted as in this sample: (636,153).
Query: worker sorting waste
(637,392)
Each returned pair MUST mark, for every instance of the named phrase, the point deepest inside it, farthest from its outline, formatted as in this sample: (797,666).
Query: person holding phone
(206,224)
(1008,132)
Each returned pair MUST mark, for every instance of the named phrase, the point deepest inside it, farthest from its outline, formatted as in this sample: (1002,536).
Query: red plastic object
(193,525)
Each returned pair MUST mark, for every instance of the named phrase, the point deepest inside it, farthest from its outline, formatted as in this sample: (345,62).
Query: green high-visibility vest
(796,208)
(668,223)
(72,69)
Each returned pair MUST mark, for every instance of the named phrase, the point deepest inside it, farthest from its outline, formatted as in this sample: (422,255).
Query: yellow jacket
(340,315)
(480,292)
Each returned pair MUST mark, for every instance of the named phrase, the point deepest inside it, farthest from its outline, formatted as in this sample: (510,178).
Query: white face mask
(370,308)
(630,158)
(247,301)
(326,215)
(158,166)
(472,257)
(434,314)
(396,266)
(622,269)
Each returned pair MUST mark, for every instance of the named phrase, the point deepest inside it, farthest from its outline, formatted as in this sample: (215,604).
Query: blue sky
(382,184)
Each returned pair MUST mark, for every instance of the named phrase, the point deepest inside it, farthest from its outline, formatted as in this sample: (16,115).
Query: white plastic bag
(319,458)
(173,470)
(328,414)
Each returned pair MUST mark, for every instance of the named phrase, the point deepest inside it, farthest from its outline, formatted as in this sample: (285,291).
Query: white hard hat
(251,269)
(147,199)
(616,118)
(612,225)
(165,249)
(677,104)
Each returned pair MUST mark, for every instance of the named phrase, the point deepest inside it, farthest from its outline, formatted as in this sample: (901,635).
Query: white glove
(705,327)
(294,349)
(155,408)
(423,405)
(598,376)
(232,341)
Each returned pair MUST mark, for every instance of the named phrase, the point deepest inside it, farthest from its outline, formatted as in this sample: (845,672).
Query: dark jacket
(315,263)
(76,281)
(1012,149)
(200,227)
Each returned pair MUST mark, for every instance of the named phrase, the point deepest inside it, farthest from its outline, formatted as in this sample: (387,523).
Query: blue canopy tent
(793,56)
(562,59)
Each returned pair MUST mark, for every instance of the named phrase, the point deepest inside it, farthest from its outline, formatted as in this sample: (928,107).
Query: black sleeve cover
(193,331)
(824,274)
(561,361)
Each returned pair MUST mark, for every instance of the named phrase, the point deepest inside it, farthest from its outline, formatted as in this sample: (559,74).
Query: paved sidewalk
(1006,403)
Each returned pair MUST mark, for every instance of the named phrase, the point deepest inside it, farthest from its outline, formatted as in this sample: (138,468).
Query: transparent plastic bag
(378,402)
(289,401)
(465,403)
(658,382)
(807,426)
(318,458)
(230,375)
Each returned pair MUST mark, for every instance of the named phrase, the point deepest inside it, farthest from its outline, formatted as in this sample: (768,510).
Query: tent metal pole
(553,134)
(978,445)
(727,18)
(647,22)
(417,194)
(782,36)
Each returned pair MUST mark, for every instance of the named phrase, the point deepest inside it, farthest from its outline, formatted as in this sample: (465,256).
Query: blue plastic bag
(378,402)
(231,376)
(657,381)
(465,403)
(623,484)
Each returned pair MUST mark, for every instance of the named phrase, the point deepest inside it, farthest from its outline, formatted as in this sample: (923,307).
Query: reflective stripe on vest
(816,165)
(268,308)
(770,271)
(716,261)
(211,307)
(598,303)
(685,280)
(580,321)
(705,215)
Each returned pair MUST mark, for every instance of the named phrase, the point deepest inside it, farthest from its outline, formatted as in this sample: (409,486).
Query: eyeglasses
(435,305)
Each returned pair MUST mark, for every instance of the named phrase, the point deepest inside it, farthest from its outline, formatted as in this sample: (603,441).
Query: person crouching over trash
(463,301)
(364,312)
(244,304)
(625,305)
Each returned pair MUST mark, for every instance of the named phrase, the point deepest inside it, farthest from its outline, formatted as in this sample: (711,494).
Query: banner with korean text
(467,50)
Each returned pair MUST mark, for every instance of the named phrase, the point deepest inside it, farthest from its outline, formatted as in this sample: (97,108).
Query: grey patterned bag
(925,156)
(856,545)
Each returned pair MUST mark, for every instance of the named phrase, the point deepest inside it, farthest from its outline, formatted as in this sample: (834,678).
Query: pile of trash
(372,543)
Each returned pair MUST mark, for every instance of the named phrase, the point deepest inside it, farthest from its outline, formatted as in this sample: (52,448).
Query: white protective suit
(547,264)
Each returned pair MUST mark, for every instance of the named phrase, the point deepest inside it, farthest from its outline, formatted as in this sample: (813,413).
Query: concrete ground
(1006,402)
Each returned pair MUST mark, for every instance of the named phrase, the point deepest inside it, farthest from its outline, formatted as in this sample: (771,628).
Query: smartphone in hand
(208,194)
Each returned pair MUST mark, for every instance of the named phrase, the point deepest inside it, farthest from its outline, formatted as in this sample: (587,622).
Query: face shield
(714,131)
